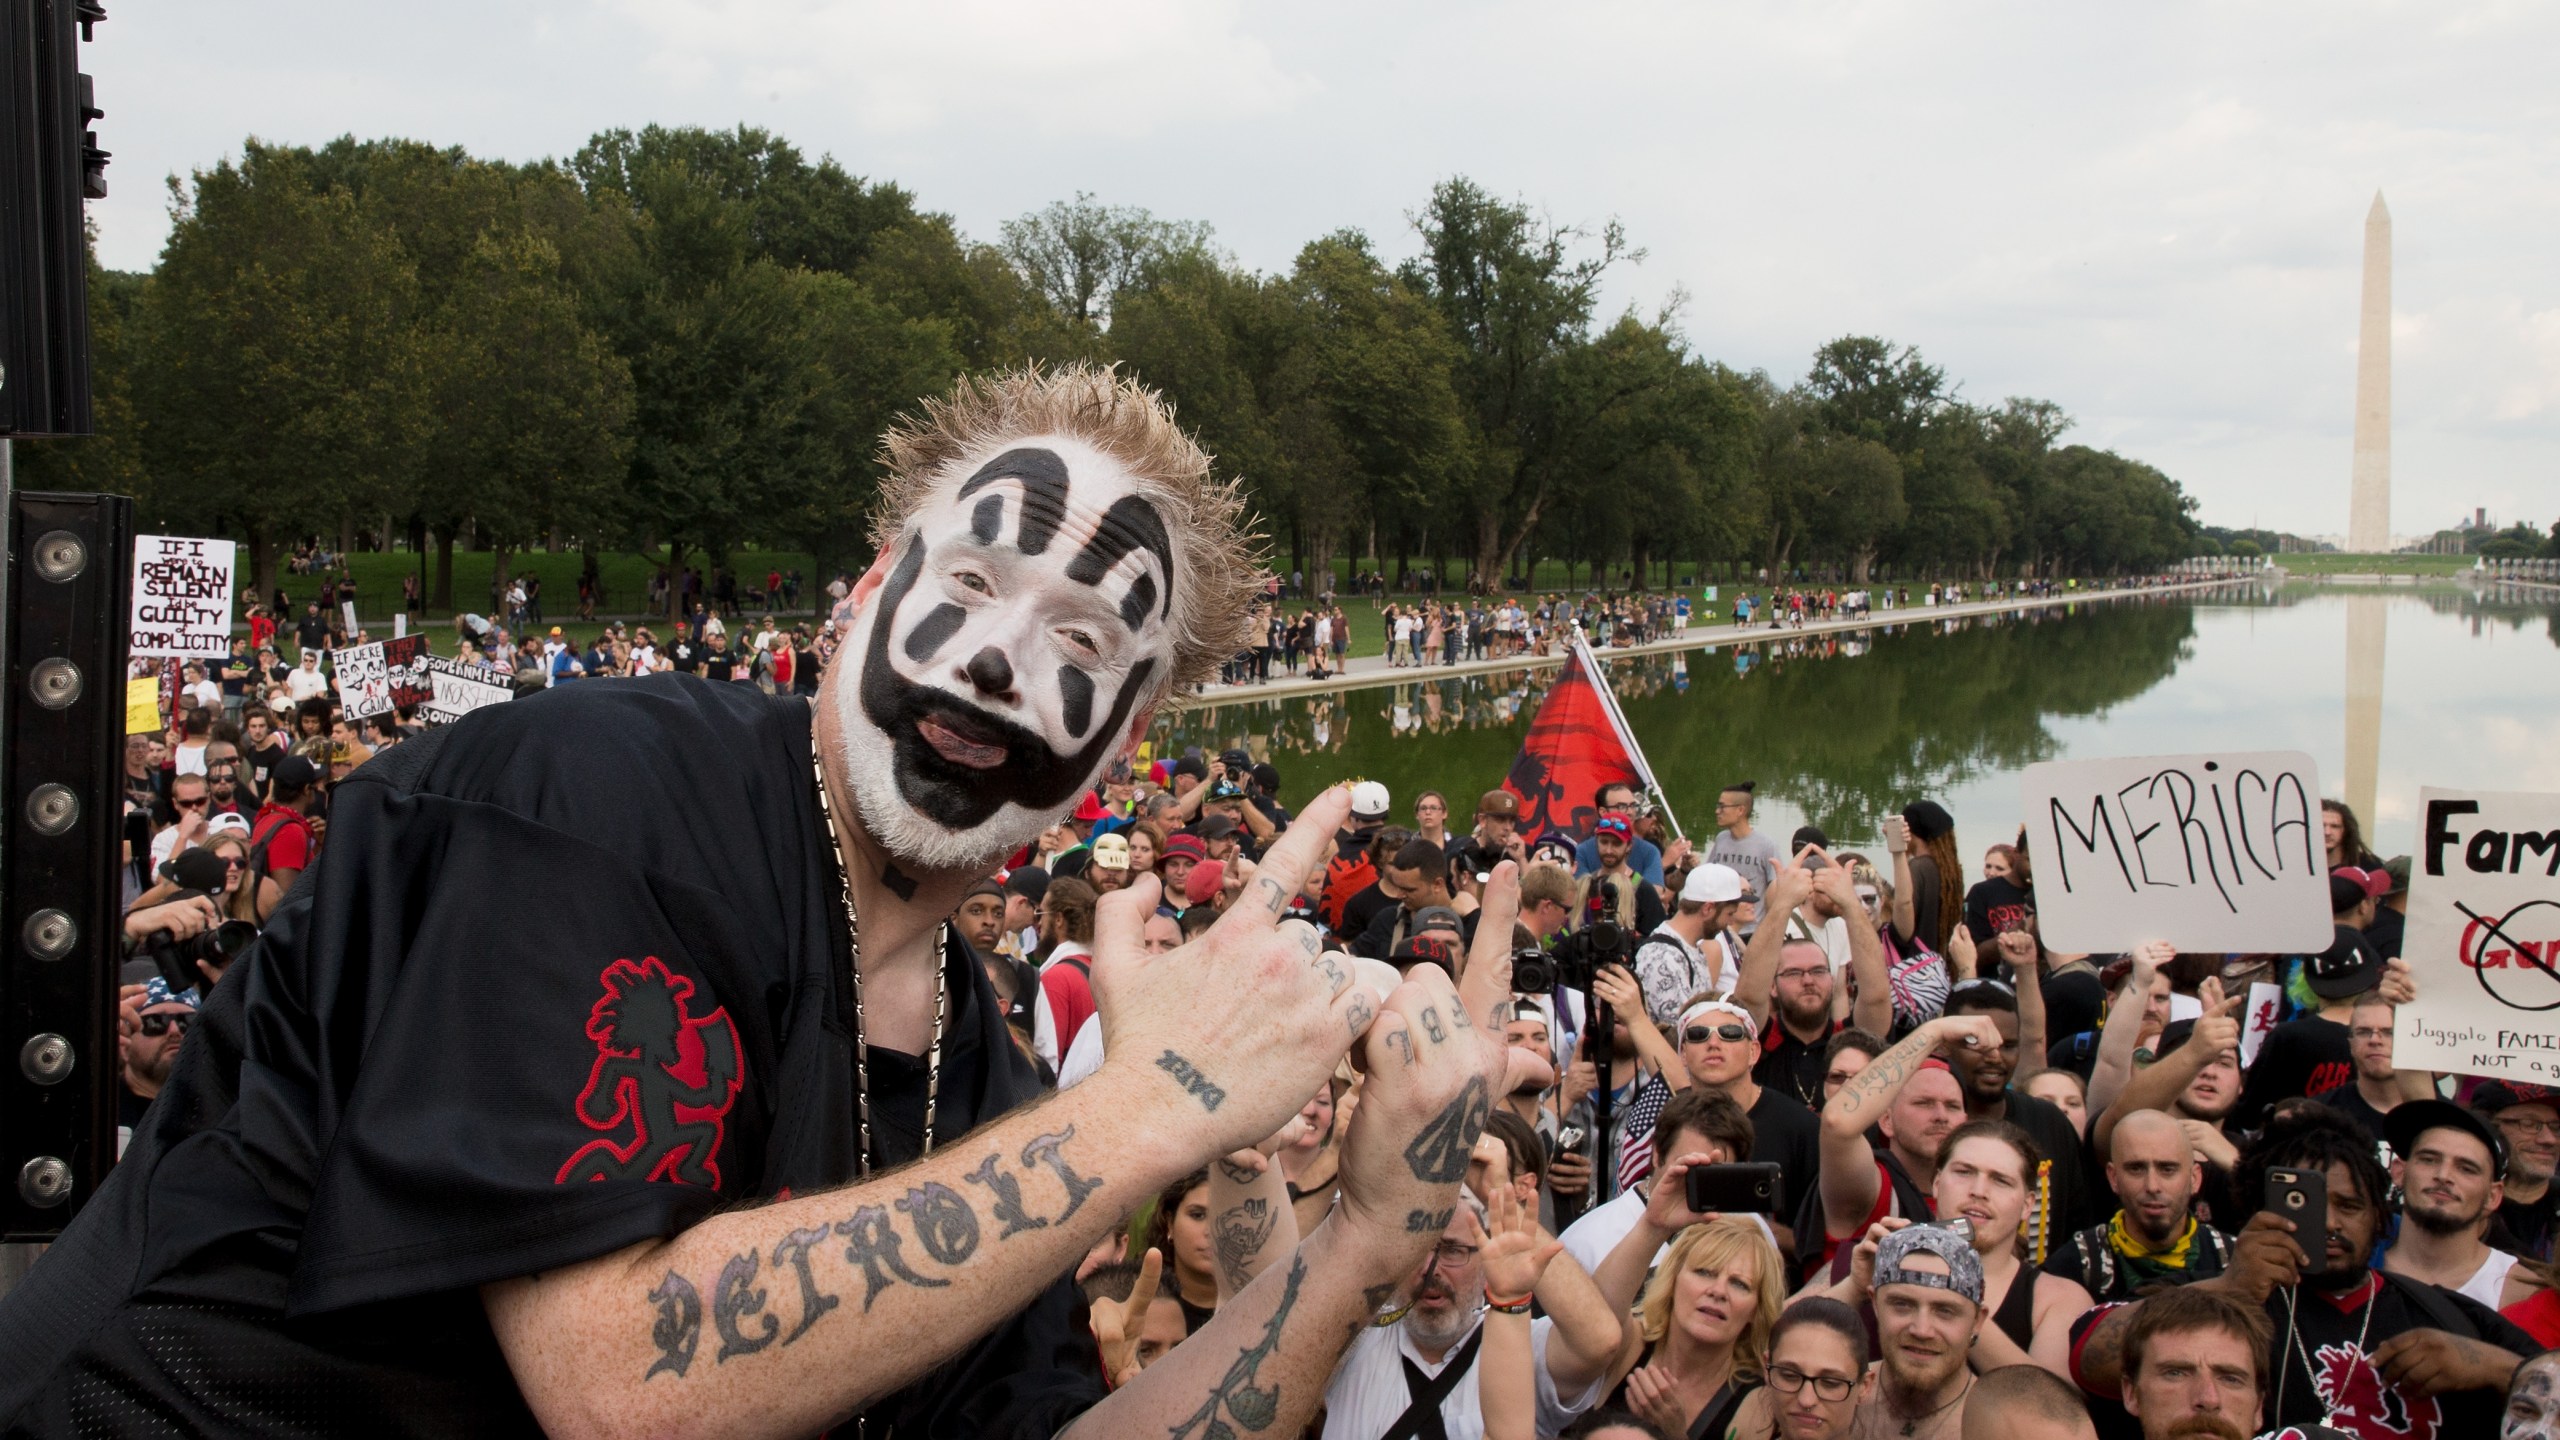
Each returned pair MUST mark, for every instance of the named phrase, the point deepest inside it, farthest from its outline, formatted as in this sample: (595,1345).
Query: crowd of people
(2001,1185)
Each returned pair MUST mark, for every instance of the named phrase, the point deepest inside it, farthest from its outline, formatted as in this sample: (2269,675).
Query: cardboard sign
(182,596)
(2483,940)
(2217,852)
(460,688)
(364,681)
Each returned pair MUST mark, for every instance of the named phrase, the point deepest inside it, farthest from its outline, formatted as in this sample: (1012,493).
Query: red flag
(1572,749)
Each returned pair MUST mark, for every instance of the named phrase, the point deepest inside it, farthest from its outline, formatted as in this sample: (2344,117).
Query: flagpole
(1626,732)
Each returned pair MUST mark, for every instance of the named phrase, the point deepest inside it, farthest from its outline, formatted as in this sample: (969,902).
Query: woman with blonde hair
(1698,1341)
(241,898)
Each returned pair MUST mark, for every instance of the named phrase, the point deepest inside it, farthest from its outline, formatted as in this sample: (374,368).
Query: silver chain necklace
(853,945)
(2293,1337)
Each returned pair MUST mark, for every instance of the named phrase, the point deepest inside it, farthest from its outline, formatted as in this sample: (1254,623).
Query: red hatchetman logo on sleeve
(662,1083)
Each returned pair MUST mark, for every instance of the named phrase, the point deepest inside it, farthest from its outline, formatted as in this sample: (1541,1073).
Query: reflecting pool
(2387,689)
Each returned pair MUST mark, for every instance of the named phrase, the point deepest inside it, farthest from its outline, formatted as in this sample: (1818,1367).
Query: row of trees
(693,339)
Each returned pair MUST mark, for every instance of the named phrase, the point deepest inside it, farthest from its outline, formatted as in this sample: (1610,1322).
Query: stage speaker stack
(67,596)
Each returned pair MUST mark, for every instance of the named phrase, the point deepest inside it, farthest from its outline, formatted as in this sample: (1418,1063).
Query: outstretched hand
(1435,1061)
(1516,1252)
(1221,1077)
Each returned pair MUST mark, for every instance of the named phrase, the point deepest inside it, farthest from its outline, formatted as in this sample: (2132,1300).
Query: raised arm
(771,1321)
(1849,1177)
(1790,886)
(1250,1218)
(1434,1059)
(2400,987)
(1873,1009)
(1897,842)
(1624,996)
(2123,1031)
(2026,969)
(2158,1085)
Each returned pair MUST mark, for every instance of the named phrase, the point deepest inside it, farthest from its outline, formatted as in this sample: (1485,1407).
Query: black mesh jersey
(565,978)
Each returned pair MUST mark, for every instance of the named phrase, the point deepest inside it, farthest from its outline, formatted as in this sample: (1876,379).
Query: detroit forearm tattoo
(1249,1407)
(931,1226)
(1197,1084)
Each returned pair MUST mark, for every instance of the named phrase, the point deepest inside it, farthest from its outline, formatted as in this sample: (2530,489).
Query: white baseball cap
(1368,800)
(1711,885)
(227,824)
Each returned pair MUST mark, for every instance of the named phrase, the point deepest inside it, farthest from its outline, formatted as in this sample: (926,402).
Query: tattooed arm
(786,1320)
(1250,1219)
(1434,1058)
(1849,1178)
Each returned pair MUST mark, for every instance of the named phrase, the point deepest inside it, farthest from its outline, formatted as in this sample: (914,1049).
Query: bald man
(2027,1402)
(2156,1236)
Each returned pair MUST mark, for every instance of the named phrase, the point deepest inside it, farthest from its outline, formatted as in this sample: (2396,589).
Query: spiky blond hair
(1218,564)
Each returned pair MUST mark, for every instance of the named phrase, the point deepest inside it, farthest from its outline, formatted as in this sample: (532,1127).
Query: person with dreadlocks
(2376,1356)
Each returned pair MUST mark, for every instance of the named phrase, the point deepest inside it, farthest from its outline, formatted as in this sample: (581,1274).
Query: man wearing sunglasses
(150,1042)
(1719,1043)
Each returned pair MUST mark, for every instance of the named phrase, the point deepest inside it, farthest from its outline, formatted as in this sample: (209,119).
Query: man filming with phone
(2376,1355)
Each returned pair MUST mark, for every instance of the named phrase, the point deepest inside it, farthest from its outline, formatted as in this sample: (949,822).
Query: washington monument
(2369,516)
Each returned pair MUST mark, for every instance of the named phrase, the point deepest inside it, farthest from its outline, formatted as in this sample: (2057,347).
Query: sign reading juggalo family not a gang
(2484,937)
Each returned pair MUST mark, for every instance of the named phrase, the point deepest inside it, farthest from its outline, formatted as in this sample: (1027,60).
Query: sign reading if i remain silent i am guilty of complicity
(2483,938)
(182,596)
(2216,852)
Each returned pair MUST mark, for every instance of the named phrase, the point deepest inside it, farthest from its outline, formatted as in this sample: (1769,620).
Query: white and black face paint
(1025,618)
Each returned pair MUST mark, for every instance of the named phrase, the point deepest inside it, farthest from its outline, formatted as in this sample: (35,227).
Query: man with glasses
(222,777)
(2528,1119)
(1417,1376)
(193,799)
(1788,982)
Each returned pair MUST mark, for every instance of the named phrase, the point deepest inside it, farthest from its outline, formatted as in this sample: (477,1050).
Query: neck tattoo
(853,943)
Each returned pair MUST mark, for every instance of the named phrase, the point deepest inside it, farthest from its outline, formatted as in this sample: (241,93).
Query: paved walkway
(1374,669)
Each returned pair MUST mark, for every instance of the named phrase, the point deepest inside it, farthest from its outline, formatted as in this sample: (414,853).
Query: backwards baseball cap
(1710,884)
(1440,950)
(1964,1268)
(196,869)
(1111,852)
(1030,882)
(227,823)
(2350,966)
(1438,917)
(1368,801)
(2412,1118)
(156,991)
(1203,883)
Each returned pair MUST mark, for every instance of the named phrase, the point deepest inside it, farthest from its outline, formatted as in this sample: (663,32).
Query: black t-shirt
(2310,1056)
(2324,1377)
(1362,908)
(2347,1100)
(312,632)
(1786,1134)
(399,1095)
(2388,932)
(685,656)
(2525,1228)
(1996,905)
(1792,1067)
(719,664)
(2074,1000)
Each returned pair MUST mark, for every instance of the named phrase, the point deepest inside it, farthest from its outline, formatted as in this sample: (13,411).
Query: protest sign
(182,596)
(404,660)
(2207,852)
(142,706)
(2483,937)
(364,681)
(460,688)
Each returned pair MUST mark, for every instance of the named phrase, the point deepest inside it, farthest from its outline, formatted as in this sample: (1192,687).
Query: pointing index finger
(1292,858)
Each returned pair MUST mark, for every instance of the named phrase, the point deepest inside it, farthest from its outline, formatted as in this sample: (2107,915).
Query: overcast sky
(2151,214)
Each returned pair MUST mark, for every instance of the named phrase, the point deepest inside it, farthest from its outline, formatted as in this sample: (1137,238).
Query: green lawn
(2341,564)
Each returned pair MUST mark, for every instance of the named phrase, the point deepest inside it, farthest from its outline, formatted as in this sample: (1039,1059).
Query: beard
(1919,1386)
(926,808)
(2436,1222)
(1447,1328)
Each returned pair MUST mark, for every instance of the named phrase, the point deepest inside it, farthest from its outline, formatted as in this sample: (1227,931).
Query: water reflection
(1841,728)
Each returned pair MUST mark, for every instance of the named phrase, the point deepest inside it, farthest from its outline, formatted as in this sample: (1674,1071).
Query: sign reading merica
(2484,937)
(2208,852)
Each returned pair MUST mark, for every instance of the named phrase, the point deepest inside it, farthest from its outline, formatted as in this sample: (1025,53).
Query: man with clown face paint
(738,1144)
